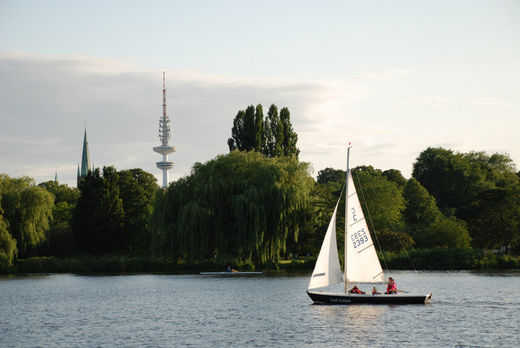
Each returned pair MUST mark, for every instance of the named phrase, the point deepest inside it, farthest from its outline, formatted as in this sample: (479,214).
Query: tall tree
(290,138)
(98,219)
(260,141)
(137,188)
(273,133)
(237,132)
(273,137)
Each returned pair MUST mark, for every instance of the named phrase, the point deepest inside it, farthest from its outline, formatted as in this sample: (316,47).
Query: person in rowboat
(230,270)
(391,288)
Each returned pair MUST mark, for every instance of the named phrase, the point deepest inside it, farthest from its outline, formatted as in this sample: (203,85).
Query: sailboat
(362,264)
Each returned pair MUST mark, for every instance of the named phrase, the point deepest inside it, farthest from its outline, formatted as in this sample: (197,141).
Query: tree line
(259,203)
(108,213)
(452,200)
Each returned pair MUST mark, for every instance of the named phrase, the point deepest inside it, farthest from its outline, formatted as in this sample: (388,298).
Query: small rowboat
(229,273)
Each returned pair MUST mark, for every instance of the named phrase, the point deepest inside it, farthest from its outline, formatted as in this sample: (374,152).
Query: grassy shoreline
(422,259)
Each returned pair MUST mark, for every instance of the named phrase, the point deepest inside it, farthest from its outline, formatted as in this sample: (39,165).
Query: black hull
(346,299)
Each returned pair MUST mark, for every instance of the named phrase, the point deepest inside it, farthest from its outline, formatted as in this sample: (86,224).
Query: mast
(346,218)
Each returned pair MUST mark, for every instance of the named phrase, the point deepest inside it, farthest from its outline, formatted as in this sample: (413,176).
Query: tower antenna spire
(164,94)
(165,133)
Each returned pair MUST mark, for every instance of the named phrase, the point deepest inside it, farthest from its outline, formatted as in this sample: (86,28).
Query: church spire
(85,159)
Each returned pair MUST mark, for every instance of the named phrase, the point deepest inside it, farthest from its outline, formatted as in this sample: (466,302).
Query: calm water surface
(468,309)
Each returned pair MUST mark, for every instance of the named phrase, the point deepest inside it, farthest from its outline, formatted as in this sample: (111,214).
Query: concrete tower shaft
(165,133)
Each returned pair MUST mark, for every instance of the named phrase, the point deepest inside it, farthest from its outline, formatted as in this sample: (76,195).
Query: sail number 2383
(359,238)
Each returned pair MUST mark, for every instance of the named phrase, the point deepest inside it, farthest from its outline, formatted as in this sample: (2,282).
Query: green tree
(242,205)
(274,136)
(273,133)
(331,175)
(28,211)
(260,141)
(395,175)
(449,232)
(324,196)
(456,179)
(62,193)
(495,221)
(243,133)
(447,176)
(390,240)
(290,138)
(61,240)
(137,188)
(381,199)
(99,215)
(8,248)
(427,225)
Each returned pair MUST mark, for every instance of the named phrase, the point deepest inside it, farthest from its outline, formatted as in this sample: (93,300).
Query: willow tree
(27,211)
(7,244)
(242,205)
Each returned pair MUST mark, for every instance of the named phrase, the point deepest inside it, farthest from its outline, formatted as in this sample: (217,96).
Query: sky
(391,77)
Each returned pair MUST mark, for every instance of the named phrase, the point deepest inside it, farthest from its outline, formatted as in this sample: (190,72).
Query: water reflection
(165,310)
(351,324)
(366,314)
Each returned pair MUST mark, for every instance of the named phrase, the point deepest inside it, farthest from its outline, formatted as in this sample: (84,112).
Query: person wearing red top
(355,290)
(391,288)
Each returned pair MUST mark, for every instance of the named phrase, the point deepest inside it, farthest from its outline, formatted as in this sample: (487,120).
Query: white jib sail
(362,263)
(327,270)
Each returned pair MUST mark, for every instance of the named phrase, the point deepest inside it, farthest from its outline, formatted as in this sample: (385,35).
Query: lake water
(468,309)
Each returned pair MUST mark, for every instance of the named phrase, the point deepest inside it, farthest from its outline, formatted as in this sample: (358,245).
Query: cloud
(45,102)
(380,76)
(440,102)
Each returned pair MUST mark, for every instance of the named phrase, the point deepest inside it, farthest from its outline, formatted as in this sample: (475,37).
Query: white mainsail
(327,270)
(362,263)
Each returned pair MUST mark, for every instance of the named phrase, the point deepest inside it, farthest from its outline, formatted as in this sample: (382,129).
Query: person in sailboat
(375,292)
(355,290)
(391,287)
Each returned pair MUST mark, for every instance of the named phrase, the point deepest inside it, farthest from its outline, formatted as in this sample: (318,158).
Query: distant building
(165,133)
(85,160)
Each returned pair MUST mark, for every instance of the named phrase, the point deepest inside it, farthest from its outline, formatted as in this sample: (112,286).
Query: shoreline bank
(421,259)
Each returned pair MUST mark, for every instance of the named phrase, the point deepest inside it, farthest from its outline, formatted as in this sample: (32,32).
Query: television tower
(165,133)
